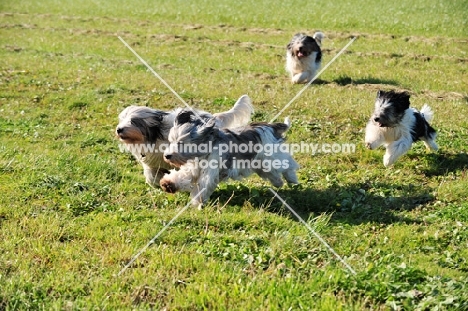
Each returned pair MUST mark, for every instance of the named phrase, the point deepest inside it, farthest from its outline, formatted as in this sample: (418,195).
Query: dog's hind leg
(290,176)
(430,143)
(273,176)
(290,173)
(276,181)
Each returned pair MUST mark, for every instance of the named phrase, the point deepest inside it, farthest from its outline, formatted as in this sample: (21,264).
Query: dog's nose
(168,156)
(376,119)
(119,130)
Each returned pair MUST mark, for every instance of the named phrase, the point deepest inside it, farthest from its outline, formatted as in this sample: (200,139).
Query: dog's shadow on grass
(354,204)
(443,163)
(346,80)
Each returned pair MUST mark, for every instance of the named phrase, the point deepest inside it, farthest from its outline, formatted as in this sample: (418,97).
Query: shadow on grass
(354,204)
(346,80)
(443,163)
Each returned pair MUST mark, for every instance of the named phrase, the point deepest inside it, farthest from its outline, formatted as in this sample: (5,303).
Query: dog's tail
(427,113)
(279,129)
(318,36)
(237,116)
(288,123)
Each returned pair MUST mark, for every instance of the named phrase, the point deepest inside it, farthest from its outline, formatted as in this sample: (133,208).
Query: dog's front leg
(302,77)
(373,138)
(180,180)
(154,175)
(396,149)
(208,181)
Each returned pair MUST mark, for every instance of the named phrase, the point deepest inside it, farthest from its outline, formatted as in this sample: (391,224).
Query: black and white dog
(396,125)
(304,57)
(207,155)
(144,132)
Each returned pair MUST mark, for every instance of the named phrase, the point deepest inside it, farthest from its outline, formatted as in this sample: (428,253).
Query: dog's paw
(298,81)
(168,186)
(300,78)
(278,183)
(431,146)
(388,160)
(197,204)
(371,146)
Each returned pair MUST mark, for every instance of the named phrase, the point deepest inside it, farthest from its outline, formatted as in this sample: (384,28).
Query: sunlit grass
(74,209)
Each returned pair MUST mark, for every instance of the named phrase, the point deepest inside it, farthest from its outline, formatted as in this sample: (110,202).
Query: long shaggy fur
(143,130)
(397,126)
(193,177)
(304,56)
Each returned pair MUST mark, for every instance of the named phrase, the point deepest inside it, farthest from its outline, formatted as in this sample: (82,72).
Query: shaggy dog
(144,132)
(397,126)
(304,57)
(208,155)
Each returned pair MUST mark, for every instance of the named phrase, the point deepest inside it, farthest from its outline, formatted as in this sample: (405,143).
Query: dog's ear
(404,102)
(399,100)
(207,129)
(156,117)
(406,96)
(211,122)
(402,105)
(185,116)
(291,43)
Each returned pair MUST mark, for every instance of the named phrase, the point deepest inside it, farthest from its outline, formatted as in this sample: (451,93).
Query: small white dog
(396,125)
(208,155)
(144,132)
(304,57)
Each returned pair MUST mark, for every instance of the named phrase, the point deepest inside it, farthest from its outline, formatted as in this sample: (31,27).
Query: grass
(74,210)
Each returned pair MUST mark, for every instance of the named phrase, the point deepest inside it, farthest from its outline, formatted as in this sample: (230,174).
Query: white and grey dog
(144,131)
(304,56)
(208,155)
(396,125)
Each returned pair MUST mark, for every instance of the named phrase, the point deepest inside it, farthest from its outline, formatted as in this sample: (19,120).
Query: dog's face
(189,138)
(301,46)
(390,108)
(139,124)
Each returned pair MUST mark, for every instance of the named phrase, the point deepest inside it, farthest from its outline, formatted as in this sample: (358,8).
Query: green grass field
(74,209)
